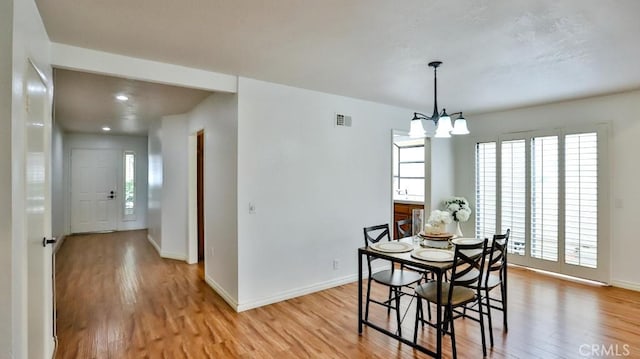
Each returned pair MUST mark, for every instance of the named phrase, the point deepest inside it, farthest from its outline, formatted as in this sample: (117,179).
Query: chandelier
(441,120)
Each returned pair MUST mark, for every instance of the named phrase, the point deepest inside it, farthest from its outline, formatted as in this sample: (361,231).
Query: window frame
(397,178)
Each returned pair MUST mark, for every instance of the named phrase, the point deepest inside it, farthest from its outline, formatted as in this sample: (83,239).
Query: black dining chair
(496,277)
(404,228)
(469,262)
(394,278)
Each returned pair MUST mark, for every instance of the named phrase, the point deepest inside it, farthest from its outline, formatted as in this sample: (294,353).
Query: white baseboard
(297,292)
(58,243)
(626,285)
(171,255)
(223,293)
(154,244)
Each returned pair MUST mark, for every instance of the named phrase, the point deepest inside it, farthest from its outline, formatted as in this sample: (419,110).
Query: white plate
(392,247)
(433,255)
(466,241)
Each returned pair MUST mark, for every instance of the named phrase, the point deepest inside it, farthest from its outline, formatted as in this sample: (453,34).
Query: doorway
(200,192)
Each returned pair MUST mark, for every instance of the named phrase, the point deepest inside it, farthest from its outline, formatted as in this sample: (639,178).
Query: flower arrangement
(459,208)
(437,221)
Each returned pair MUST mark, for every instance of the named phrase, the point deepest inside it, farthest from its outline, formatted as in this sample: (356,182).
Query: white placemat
(392,247)
(466,240)
(433,255)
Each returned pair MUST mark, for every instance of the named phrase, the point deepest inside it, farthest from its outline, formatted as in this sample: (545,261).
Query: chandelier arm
(422,116)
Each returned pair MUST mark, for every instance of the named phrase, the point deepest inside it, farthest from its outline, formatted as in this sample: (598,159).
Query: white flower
(453,207)
(459,208)
(463,215)
(439,217)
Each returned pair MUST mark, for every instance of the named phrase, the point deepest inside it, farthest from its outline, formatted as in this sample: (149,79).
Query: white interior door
(94,190)
(38,216)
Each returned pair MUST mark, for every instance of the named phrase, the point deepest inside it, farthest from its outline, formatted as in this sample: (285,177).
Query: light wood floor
(116,298)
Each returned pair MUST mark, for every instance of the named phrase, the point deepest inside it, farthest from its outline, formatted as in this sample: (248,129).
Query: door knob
(46,241)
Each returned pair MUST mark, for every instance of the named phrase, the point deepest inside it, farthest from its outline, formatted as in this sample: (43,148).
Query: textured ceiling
(86,102)
(497,53)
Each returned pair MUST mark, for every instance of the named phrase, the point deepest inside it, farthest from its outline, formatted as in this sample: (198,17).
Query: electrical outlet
(336,264)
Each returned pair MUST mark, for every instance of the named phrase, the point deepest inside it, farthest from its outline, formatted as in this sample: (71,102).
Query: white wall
(442,179)
(154,208)
(174,139)
(58,204)
(138,144)
(22,36)
(314,186)
(6,32)
(622,112)
(217,115)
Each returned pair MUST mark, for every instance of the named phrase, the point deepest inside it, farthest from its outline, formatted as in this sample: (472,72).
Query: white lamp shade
(441,132)
(460,127)
(444,124)
(416,130)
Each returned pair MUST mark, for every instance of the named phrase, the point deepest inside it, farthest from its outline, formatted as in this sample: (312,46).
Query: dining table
(438,267)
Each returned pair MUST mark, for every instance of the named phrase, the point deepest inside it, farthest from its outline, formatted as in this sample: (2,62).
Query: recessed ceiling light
(122,97)
(106,128)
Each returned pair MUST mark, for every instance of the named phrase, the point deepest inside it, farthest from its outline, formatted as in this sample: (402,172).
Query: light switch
(252,208)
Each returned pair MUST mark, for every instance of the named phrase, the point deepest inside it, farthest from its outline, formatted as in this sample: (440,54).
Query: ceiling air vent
(342,120)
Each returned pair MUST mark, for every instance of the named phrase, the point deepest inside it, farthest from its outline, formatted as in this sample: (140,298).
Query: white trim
(154,244)
(626,285)
(173,255)
(297,292)
(222,293)
(78,58)
(61,239)
(192,199)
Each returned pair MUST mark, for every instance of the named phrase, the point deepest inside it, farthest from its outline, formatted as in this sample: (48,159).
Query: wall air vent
(341,120)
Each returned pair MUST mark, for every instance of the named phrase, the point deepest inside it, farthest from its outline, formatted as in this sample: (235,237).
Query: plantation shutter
(544,197)
(485,189)
(581,199)
(513,200)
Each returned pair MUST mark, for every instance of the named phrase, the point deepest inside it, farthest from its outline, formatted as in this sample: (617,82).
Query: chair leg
(481,316)
(453,333)
(489,316)
(366,311)
(419,317)
(503,293)
(389,301)
(397,298)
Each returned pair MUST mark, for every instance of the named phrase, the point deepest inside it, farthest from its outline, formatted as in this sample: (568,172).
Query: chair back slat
(498,255)
(404,228)
(469,267)
(375,234)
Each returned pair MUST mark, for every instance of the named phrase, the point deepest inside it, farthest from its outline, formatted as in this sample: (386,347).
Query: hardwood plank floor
(116,298)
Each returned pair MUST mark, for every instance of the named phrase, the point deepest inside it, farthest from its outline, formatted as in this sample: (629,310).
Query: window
(408,169)
(581,199)
(546,190)
(513,187)
(129,184)
(485,189)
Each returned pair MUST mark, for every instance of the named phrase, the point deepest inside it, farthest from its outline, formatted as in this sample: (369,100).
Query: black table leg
(439,316)
(359,293)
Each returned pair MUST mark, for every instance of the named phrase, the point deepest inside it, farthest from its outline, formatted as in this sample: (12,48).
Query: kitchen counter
(407,201)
